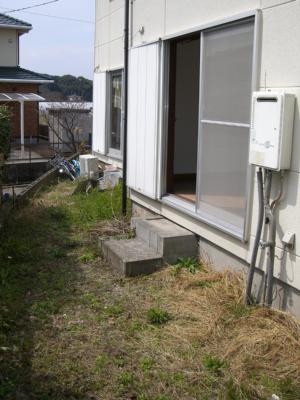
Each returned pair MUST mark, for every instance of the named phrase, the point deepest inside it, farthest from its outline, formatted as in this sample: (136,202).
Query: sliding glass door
(224,124)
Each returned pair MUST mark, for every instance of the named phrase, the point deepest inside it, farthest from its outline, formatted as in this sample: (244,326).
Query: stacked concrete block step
(158,241)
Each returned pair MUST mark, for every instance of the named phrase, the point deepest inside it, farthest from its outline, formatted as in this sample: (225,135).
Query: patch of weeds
(204,284)
(239,310)
(190,264)
(146,364)
(92,300)
(178,377)
(162,397)
(142,397)
(282,387)
(126,379)
(232,391)
(130,234)
(56,253)
(6,388)
(120,362)
(101,363)
(135,326)
(87,257)
(44,309)
(115,310)
(237,391)
(213,364)
(158,317)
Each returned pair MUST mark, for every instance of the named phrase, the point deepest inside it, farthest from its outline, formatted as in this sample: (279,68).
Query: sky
(56,46)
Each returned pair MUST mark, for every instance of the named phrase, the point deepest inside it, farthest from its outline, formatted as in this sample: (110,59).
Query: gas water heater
(272,130)
(270,149)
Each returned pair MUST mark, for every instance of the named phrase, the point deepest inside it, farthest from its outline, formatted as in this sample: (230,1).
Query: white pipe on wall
(22,123)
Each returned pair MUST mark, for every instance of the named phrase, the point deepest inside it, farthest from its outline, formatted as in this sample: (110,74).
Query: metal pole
(30,169)
(271,258)
(125,113)
(22,123)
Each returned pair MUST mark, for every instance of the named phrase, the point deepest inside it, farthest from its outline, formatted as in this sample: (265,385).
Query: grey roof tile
(21,74)
(7,20)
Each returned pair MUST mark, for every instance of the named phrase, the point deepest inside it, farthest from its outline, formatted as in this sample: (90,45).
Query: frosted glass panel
(227,72)
(223,174)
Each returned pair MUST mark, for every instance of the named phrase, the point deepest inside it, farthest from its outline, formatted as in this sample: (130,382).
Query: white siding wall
(99,113)
(109,35)
(8,48)
(280,68)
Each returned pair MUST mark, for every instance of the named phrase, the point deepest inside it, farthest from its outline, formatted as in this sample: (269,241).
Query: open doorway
(183,117)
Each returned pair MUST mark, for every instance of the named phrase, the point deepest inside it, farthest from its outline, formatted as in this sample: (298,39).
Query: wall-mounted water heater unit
(271,134)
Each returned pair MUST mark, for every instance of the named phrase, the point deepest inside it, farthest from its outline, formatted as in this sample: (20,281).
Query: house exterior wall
(279,68)
(31,109)
(9,48)
(109,56)
(109,35)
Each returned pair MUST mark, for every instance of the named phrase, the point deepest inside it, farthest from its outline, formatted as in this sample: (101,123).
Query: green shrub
(5,131)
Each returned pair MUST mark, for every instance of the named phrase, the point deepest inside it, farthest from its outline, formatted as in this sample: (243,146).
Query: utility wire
(37,5)
(54,16)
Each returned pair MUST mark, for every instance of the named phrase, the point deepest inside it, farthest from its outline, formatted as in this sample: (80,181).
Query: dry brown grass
(253,342)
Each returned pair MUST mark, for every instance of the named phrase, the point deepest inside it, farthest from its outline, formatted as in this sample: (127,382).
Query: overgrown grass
(72,328)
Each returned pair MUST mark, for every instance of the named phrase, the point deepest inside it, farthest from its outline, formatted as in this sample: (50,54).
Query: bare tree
(68,123)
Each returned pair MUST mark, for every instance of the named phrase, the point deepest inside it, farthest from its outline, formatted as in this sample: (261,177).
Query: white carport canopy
(21,98)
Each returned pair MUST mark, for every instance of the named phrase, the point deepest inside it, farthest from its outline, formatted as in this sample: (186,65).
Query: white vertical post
(22,123)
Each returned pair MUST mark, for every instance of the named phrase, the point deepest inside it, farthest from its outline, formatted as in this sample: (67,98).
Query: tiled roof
(20,74)
(7,20)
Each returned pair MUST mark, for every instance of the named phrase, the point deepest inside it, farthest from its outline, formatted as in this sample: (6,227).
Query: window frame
(170,199)
(110,151)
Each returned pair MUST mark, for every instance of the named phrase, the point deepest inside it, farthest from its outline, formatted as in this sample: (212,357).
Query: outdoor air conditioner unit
(88,165)
(272,130)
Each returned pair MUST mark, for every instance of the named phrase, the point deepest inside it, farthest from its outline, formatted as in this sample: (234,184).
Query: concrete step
(131,257)
(169,240)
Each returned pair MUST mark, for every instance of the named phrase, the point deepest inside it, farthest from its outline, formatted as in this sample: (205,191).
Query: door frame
(172,200)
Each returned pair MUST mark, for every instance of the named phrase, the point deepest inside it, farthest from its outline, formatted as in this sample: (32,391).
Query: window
(223,104)
(115,117)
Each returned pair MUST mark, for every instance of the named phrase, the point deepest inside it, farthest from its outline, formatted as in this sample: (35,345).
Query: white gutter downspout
(22,123)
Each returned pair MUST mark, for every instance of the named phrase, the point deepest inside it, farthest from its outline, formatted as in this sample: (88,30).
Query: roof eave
(26,80)
(16,27)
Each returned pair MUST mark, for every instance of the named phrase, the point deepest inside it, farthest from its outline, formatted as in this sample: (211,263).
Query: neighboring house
(69,124)
(18,86)
(193,65)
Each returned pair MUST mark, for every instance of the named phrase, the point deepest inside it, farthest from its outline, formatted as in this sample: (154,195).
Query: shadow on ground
(37,272)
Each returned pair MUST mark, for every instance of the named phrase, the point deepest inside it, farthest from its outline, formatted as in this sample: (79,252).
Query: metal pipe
(257,236)
(271,255)
(125,113)
(267,193)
